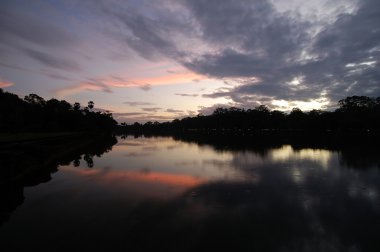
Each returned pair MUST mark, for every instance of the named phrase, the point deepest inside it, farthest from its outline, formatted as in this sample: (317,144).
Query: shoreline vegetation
(35,115)
(35,136)
(355,114)
(33,118)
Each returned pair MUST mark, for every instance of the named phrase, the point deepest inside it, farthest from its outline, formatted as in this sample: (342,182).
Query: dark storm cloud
(245,39)
(254,41)
(352,39)
(250,40)
(254,27)
(265,53)
(260,43)
(350,51)
(52,61)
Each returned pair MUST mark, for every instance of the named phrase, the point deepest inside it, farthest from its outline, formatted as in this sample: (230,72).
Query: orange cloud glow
(105,84)
(4,83)
(85,86)
(173,78)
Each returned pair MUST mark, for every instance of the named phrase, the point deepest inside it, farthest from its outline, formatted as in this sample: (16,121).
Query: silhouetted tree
(89,160)
(91,105)
(33,113)
(354,113)
(76,106)
(34,99)
(356,103)
(262,109)
(76,162)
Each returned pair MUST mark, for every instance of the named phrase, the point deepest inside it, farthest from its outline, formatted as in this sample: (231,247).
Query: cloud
(58,76)
(158,117)
(323,68)
(270,50)
(14,67)
(5,83)
(53,61)
(25,28)
(83,86)
(210,109)
(16,25)
(102,110)
(144,34)
(187,95)
(145,87)
(191,113)
(151,109)
(140,117)
(129,114)
(176,111)
(97,84)
(121,81)
(167,79)
(334,57)
(138,103)
(118,78)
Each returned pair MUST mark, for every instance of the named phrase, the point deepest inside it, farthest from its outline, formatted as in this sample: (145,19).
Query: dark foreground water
(161,194)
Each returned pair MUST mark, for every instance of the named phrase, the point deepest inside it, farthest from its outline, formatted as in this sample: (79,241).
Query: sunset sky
(166,59)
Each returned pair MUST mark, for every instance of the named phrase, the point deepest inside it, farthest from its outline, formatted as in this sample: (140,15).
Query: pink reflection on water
(137,183)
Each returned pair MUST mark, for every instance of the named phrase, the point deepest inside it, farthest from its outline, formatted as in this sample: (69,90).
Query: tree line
(358,113)
(34,114)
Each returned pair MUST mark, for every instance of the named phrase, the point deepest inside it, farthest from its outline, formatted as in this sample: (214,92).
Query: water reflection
(195,194)
(286,153)
(144,183)
(31,163)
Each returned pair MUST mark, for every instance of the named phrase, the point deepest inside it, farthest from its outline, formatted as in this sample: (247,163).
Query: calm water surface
(160,193)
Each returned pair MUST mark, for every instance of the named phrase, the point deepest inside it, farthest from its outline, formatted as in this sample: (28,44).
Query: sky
(165,59)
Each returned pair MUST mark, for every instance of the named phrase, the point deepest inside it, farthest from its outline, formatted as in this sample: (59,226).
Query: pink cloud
(5,83)
(84,86)
(146,83)
(103,85)
(113,81)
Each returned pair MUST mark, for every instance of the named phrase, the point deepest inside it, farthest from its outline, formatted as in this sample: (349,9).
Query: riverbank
(21,155)
(6,138)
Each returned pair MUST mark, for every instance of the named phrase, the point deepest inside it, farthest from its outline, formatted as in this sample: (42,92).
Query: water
(185,195)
